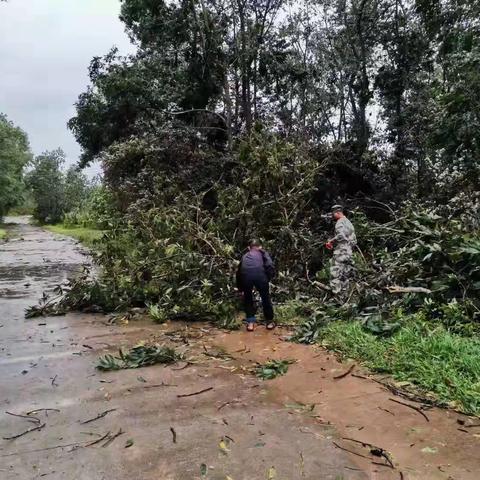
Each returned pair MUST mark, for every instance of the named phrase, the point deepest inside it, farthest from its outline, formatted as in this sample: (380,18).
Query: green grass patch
(3,233)
(426,355)
(87,236)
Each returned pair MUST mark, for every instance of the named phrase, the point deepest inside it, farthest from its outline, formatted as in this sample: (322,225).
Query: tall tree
(14,156)
(46,182)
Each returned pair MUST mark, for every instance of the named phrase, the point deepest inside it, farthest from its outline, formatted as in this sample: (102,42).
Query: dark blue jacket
(255,264)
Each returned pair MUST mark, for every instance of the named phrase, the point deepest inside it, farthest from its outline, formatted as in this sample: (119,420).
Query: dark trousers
(263,288)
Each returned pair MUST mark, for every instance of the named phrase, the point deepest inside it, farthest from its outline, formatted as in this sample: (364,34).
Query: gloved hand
(329,245)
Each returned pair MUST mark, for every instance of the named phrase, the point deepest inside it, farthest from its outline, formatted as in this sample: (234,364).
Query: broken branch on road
(46,410)
(413,407)
(100,415)
(194,393)
(112,438)
(31,419)
(34,429)
(374,450)
(348,372)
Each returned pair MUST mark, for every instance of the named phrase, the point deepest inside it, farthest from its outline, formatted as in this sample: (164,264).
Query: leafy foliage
(139,356)
(273,369)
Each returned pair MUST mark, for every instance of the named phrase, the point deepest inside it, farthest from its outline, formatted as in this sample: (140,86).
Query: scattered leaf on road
(223,447)
(271,473)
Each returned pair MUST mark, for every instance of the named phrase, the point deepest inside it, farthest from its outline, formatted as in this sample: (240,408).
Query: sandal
(271,326)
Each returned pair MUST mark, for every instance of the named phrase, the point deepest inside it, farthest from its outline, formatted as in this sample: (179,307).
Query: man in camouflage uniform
(343,243)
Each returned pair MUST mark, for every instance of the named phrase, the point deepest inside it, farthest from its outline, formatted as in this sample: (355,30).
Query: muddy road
(159,427)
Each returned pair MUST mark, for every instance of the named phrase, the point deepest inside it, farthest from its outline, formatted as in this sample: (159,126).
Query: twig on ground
(98,440)
(100,415)
(350,451)
(174,435)
(46,410)
(53,381)
(343,375)
(24,452)
(385,410)
(160,385)
(25,432)
(31,419)
(112,438)
(195,393)
(413,407)
(227,403)
(375,450)
(187,364)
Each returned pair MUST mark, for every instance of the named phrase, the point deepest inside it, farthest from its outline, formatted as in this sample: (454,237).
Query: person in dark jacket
(255,270)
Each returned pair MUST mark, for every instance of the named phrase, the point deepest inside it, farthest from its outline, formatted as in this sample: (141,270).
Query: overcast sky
(45,49)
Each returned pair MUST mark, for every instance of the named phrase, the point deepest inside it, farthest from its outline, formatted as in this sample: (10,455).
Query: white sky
(45,49)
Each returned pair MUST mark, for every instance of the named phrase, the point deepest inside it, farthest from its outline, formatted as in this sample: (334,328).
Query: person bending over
(255,270)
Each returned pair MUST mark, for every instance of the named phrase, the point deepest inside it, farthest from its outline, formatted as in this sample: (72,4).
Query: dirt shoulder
(363,410)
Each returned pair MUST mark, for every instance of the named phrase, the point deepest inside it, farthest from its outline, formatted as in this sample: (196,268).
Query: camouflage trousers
(341,270)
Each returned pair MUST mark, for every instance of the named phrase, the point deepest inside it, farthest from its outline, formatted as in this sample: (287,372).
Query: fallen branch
(25,432)
(100,415)
(398,289)
(413,407)
(195,393)
(343,375)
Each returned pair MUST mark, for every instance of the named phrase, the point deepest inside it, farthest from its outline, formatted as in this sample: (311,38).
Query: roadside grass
(87,236)
(3,233)
(426,355)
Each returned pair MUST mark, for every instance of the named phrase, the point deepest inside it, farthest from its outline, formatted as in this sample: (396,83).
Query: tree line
(38,185)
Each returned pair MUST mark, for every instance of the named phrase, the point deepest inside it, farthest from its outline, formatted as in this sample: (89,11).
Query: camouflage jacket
(344,234)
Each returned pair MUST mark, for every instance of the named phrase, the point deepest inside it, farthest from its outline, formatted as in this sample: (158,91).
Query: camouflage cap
(337,208)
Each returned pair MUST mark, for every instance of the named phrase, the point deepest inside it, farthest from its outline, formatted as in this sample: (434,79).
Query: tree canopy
(388,86)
